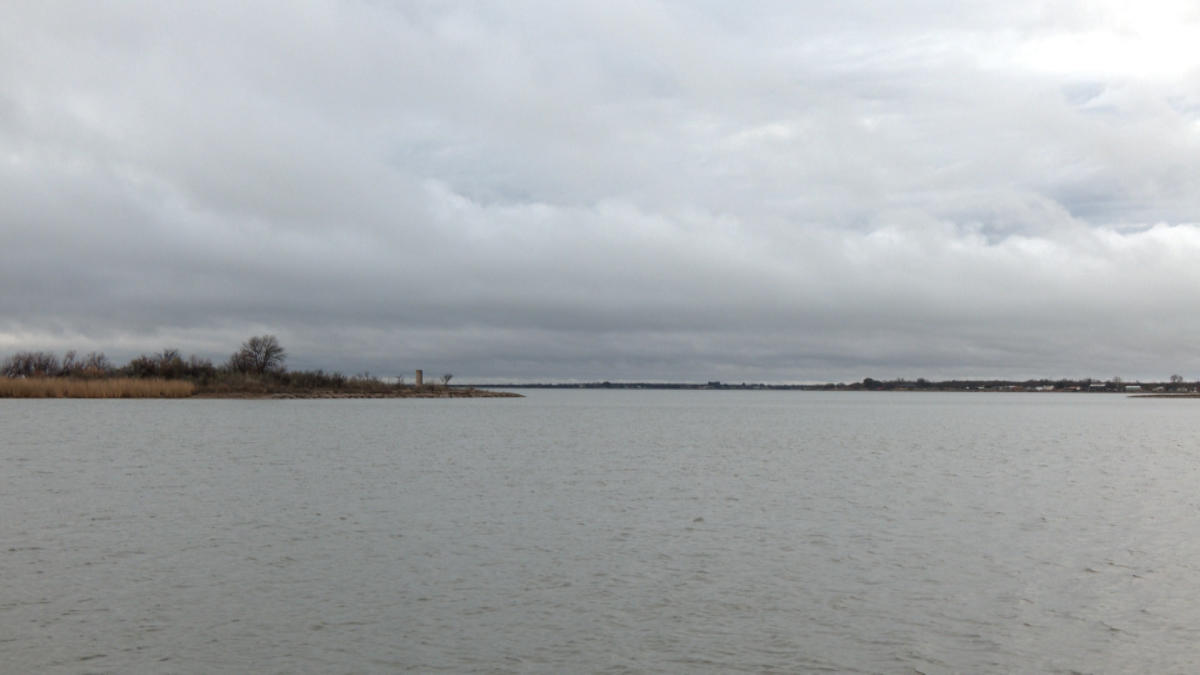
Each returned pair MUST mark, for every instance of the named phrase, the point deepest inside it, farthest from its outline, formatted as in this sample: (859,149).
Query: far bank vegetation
(256,370)
(113,387)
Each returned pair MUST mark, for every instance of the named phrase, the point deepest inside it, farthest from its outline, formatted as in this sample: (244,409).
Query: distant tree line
(1175,383)
(260,355)
(46,364)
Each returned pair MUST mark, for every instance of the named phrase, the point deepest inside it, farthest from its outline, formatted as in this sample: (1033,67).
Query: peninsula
(255,371)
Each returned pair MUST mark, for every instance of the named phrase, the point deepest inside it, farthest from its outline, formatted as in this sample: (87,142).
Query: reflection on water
(602,531)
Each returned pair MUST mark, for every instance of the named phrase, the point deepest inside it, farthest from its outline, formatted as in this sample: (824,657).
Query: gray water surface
(594,531)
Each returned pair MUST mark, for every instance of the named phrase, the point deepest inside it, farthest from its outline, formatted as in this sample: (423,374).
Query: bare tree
(260,354)
(1176,379)
(145,365)
(446,379)
(70,364)
(96,364)
(30,364)
(199,367)
(170,364)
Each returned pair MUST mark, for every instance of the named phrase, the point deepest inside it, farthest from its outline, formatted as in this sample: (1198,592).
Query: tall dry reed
(117,387)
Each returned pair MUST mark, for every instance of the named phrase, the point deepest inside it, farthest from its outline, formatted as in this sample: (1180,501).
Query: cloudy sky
(637,190)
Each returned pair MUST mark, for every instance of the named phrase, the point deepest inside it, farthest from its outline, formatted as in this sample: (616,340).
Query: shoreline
(240,389)
(325,394)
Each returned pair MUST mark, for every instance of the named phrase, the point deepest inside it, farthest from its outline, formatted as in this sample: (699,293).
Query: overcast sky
(627,190)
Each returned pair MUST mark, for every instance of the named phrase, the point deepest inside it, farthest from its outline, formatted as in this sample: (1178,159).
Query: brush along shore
(235,388)
(412,392)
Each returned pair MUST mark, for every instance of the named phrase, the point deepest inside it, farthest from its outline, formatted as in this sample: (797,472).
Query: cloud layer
(617,190)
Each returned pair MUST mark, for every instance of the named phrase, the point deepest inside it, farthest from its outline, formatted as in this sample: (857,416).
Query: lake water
(602,531)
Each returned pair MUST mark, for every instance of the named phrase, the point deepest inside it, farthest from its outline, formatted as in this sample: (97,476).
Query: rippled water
(593,531)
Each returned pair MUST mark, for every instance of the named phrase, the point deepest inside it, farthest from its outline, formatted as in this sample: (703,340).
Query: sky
(784,191)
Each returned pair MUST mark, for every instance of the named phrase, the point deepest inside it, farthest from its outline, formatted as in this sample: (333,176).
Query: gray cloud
(607,190)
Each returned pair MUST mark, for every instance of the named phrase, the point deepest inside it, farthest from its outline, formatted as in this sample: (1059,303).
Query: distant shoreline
(451,392)
(1174,388)
(257,371)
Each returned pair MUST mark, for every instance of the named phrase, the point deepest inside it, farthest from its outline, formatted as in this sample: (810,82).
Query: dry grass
(117,387)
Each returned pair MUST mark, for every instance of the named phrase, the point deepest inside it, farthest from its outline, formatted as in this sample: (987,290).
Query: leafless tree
(446,379)
(96,364)
(200,367)
(30,364)
(70,364)
(170,364)
(260,354)
(1176,379)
